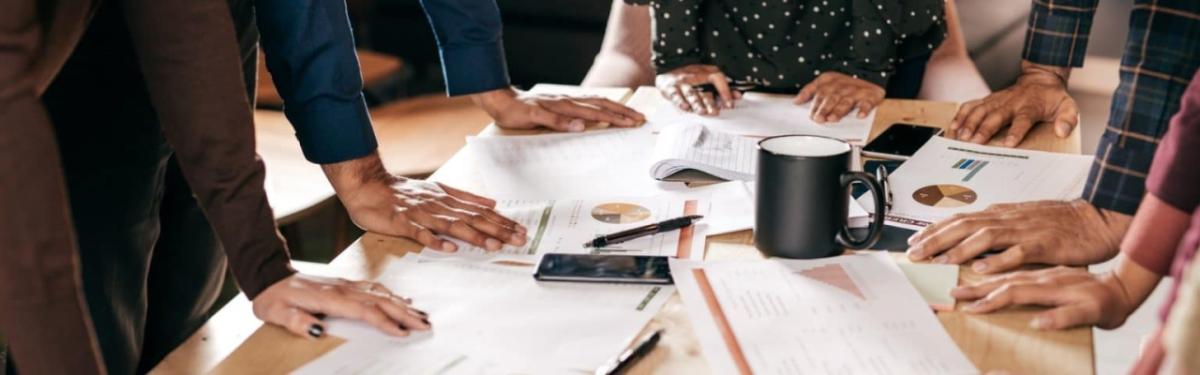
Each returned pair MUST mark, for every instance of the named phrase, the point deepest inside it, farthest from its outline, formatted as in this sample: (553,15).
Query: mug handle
(844,238)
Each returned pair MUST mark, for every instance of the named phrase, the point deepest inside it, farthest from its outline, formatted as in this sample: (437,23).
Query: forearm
(950,74)
(624,58)
(349,177)
(1148,249)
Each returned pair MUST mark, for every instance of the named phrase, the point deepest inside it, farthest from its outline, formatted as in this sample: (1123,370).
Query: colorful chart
(972,165)
(620,213)
(835,276)
(946,196)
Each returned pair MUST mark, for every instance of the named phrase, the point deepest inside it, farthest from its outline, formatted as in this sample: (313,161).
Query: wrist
(351,177)
(493,101)
(1044,74)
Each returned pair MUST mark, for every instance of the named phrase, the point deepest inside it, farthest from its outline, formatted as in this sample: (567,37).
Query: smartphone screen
(604,268)
(901,140)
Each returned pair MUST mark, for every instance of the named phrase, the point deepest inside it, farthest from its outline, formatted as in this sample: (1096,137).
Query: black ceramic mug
(803,195)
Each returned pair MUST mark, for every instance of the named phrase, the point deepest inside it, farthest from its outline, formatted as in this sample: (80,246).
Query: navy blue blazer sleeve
(310,53)
(472,51)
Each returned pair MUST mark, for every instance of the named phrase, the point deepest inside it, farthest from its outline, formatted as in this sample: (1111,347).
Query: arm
(624,58)
(44,318)
(1055,42)
(950,74)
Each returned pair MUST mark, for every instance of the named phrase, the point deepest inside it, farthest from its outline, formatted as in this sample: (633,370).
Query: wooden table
(234,342)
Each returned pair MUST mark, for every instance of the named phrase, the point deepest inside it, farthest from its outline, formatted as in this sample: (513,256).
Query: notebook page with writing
(692,146)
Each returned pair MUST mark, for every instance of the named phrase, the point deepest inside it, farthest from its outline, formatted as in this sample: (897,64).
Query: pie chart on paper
(945,196)
(620,213)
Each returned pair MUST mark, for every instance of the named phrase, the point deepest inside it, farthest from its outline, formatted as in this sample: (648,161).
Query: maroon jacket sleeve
(1175,175)
(43,313)
(189,58)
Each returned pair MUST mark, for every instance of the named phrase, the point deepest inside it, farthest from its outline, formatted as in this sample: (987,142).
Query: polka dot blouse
(784,44)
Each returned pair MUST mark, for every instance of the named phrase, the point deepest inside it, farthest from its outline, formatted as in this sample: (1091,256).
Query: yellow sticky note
(933,281)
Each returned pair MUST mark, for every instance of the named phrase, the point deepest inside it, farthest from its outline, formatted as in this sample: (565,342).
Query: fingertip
(1041,323)
(1012,140)
(575,126)
(492,244)
(316,330)
(980,266)
(449,247)
(954,125)
(1062,129)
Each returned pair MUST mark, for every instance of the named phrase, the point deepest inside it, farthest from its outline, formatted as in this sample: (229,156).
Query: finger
(297,321)
(1008,259)
(865,107)
(675,96)
(990,125)
(477,221)
(966,129)
(1065,317)
(807,93)
(1021,124)
(709,104)
(691,95)
(335,303)
(467,196)
(583,111)
(840,110)
(978,242)
(426,237)
(721,83)
(632,115)
(1015,294)
(392,306)
(554,121)
(817,102)
(488,214)
(940,236)
(963,111)
(456,228)
(1066,119)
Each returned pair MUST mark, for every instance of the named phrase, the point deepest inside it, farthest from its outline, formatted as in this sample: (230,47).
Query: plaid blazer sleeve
(1058,32)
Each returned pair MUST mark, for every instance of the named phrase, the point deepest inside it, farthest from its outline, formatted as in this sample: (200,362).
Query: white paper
(762,115)
(946,177)
(692,146)
(731,207)
(563,226)
(594,164)
(853,314)
(499,318)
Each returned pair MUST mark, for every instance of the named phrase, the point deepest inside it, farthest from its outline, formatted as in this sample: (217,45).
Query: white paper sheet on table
(946,177)
(494,316)
(693,146)
(731,207)
(853,314)
(762,115)
(562,226)
(594,164)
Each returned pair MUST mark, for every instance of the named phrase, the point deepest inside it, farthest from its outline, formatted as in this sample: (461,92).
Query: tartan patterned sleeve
(1058,32)
(1162,53)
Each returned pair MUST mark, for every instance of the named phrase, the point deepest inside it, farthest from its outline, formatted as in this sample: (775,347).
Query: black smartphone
(900,141)
(633,269)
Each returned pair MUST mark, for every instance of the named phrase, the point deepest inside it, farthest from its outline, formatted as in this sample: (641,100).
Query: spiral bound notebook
(683,147)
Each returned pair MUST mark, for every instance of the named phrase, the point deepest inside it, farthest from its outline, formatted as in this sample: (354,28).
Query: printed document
(946,177)
(562,226)
(692,146)
(852,314)
(763,115)
(493,317)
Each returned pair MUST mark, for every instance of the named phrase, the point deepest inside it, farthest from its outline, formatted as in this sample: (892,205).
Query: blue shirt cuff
(471,69)
(332,131)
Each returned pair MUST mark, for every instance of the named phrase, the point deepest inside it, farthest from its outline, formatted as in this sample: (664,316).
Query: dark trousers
(151,265)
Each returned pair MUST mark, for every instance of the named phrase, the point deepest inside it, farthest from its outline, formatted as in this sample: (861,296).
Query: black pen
(881,174)
(631,356)
(642,231)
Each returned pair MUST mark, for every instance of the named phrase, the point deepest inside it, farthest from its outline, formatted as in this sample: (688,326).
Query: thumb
(1066,119)
(1063,317)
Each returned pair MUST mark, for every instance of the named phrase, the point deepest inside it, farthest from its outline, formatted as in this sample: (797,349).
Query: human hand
(299,303)
(1040,95)
(1050,232)
(1076,297)
(421,210)
(679,86)
(835,95)
(513,110)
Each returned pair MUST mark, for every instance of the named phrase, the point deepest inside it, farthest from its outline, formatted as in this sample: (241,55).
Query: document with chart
(763,115)
(946,177)
(692,146)
(852,314)
(562,226)
(492,317)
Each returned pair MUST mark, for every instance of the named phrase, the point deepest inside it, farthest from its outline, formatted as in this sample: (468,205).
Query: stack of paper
(691,146)
(563,226)
(851,314)
(763,115)
(946,177)
(493,317)
(595,164)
